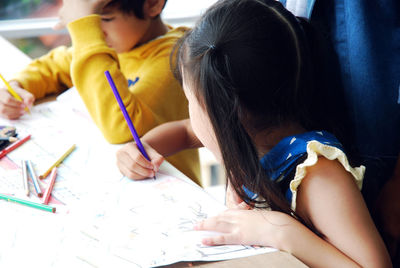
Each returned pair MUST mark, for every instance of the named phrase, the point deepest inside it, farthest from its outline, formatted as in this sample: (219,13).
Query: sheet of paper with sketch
(149,223)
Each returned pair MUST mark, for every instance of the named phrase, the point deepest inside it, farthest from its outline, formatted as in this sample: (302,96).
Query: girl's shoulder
(290,149)
(325,159)
(290,160)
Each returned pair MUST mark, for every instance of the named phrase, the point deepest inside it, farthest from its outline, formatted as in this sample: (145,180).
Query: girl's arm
(172,137)
(162,141)
(328,197)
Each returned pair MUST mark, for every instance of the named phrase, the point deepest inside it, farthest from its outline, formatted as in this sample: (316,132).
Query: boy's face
(123,31)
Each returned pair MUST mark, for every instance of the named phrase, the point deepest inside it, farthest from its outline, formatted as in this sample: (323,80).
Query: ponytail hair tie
(212,47)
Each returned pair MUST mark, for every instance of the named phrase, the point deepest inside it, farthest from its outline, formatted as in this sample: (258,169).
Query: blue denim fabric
(366,38)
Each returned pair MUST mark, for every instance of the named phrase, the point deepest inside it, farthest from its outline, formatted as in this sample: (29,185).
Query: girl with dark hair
(247,74)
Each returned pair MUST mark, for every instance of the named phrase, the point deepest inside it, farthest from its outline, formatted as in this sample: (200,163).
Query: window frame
(25,28)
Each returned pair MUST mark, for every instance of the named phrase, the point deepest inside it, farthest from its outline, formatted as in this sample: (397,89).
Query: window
(22,9)
(28,23)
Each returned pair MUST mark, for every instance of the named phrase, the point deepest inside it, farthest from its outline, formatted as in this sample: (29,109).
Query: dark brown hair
(250,66)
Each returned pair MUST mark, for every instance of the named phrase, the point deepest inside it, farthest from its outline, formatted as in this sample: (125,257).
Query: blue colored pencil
(34,178)
(127,118)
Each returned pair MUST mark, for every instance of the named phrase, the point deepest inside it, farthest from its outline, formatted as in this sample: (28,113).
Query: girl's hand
(10,107)
(75,9)
(134,165)
(246,227)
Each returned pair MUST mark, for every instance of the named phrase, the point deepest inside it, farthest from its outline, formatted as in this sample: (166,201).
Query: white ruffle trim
(315,149)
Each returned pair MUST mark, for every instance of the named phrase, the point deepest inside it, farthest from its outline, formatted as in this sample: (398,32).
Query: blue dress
(287,162)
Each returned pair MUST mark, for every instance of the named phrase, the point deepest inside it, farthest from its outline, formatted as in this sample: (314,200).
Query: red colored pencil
(13,146)
(46,196)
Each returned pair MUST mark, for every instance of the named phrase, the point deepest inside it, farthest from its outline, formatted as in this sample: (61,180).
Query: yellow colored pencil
(44,175)
(12,92)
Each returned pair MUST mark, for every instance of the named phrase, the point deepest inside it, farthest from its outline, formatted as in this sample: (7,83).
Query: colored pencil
(24,178)
(27,203)
(13,146)
(47,193)
(10,139)
(127,118)
(58,162)
(12,92)
(34,178)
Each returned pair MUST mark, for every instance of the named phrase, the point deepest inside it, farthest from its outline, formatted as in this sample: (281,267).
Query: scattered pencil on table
(10,139)
(24,178)
(127,118)
(27,203)
(34,178)
(58,162)
(13,146)
(47,193)
(12,92)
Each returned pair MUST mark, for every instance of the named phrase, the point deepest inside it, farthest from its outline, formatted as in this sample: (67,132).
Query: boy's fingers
(59,25)
(13,104)
(9,100)
(10,107)
(26,96)
(10,113)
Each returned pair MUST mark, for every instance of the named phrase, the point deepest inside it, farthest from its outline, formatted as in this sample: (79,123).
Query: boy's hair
(249,65)
(134,7)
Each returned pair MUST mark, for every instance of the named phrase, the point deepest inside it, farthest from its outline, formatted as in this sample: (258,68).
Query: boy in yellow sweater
(128,38)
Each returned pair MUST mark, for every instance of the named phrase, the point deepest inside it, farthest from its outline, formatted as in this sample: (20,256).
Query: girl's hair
(248,63)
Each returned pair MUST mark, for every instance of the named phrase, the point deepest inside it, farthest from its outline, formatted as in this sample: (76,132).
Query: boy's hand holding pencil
(14,100)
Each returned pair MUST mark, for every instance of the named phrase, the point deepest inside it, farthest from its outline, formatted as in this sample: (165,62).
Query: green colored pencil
(27,203)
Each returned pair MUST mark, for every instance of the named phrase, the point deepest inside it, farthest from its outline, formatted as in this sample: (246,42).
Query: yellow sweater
(155,98)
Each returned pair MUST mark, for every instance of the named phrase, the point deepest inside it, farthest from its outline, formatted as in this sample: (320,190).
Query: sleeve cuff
(315,149)
(86,32)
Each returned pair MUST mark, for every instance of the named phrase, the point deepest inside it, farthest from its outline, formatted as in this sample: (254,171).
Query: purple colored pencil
(125,113)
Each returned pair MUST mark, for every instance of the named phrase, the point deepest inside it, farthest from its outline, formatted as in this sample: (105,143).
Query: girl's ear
(153,8)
